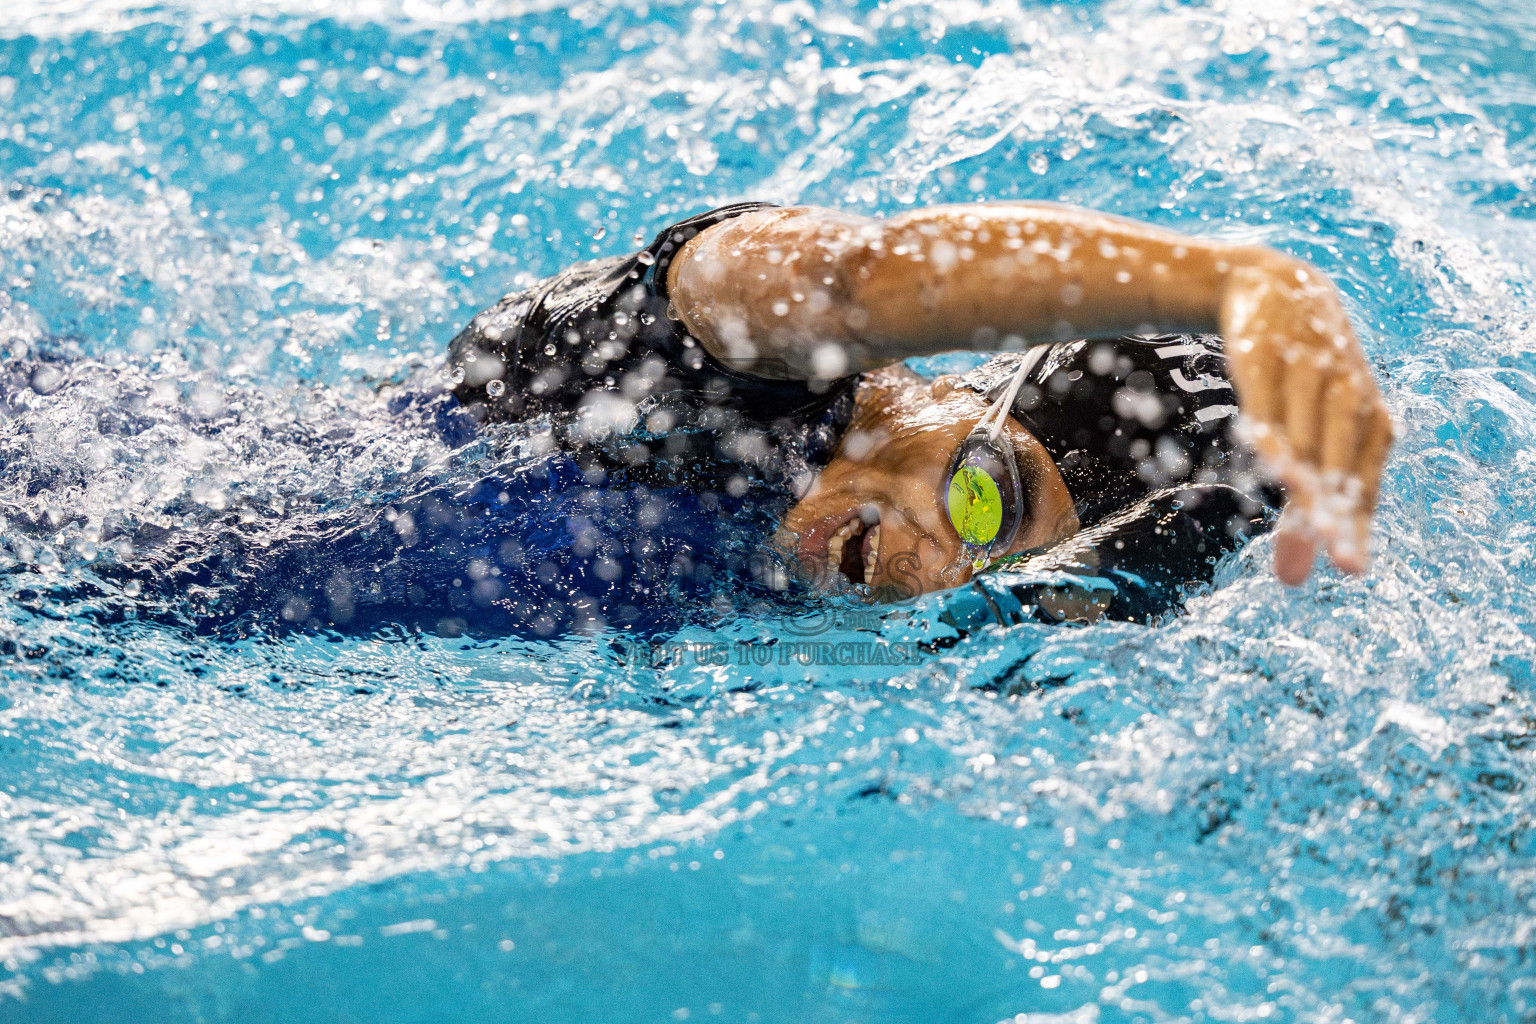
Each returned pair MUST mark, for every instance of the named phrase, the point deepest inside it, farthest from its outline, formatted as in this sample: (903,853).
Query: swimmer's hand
(1310,407)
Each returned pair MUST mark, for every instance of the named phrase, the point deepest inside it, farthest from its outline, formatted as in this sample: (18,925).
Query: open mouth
(854,550)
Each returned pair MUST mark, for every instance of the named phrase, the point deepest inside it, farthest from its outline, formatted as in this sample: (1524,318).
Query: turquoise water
(224,224)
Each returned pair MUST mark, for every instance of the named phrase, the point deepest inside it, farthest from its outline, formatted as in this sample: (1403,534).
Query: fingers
(1373,451)
(1372,457)
(1330,460)
(1346,520)
(1325,440)
(1295,552)
(1357,436)
(1296,536)
(1303,390)
(1341,428)
(1312,411)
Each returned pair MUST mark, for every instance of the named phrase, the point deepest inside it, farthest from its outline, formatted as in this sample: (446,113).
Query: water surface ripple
(223,225)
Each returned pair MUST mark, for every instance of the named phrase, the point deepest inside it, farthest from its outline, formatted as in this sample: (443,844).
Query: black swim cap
(1124,417)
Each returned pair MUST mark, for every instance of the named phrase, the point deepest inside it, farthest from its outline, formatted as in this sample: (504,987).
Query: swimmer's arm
(804,293)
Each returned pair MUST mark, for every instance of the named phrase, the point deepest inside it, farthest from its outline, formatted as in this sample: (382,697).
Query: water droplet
(46,379)
(1038,162)
(495,388)
(699,156)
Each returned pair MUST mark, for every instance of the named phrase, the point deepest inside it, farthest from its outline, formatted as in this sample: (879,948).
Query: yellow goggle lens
(975,505)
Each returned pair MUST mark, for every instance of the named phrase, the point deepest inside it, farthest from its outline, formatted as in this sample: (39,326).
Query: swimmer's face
(876,514)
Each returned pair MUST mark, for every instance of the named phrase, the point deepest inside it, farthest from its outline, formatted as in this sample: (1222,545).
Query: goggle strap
(997,413)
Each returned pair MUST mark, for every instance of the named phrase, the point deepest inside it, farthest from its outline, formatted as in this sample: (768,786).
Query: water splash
(1308,805)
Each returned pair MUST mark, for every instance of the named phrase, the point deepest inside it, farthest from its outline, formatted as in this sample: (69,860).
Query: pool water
(226,226)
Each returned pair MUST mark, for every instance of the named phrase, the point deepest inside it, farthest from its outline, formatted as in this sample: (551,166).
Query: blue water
(225,224)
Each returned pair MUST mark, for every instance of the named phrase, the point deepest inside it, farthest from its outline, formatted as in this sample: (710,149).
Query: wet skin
(807,293)
(876,514)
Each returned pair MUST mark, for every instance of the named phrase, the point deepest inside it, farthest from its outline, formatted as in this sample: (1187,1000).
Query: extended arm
(806,292)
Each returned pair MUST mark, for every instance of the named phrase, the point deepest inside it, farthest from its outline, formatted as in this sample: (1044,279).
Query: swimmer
(1140,371)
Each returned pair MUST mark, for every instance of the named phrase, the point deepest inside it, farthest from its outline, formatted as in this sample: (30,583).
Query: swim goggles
(985,498)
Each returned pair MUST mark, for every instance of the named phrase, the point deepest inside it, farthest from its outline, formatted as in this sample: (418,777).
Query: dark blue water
(228,230)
